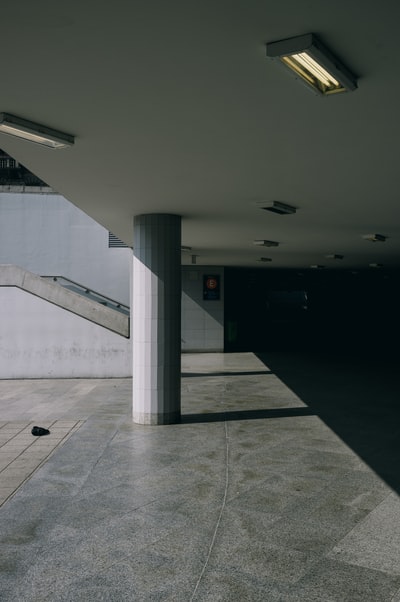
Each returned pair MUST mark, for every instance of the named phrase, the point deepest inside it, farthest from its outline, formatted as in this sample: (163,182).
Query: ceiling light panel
(277,207)
(33,132)
(375,237)
(313,63)
(266,243)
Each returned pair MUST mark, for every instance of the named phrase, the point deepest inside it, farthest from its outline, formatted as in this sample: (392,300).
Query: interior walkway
(280,483)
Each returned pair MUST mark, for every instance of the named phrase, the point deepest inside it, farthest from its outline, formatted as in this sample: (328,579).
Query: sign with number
(211,290)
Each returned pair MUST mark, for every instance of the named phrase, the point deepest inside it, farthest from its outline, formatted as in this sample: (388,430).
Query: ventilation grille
(114,242)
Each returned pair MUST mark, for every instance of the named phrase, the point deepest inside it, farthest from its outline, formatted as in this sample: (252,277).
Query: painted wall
(202,320)
(47,235)
(40,340)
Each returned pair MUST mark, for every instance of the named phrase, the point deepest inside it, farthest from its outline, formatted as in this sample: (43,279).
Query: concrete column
(156,319)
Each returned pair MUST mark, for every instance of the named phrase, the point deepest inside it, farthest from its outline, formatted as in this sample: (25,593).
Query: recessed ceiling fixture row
(375,237)
(311,61)
(34,132)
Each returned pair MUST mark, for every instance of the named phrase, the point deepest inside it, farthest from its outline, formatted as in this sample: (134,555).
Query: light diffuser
(375,237)
(266,243)
(313,63)
(33,132)
(277,207)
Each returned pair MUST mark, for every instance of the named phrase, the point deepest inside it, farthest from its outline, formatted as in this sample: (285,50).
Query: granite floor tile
(374,542)
(248,550)
(280,504)
(221,585)
(5,493)
(396,597)
(308,536)
(331,581)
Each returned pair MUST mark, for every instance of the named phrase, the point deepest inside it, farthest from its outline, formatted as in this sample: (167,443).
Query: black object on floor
(39,431)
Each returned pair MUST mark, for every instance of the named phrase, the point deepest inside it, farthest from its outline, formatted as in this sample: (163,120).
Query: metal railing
(89,293)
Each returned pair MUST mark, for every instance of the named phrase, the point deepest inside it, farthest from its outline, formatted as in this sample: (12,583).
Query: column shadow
(245,415)
(226,373)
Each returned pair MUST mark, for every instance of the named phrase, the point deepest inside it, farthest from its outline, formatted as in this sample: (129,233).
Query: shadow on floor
(227,373)
(245,415)
(356,395)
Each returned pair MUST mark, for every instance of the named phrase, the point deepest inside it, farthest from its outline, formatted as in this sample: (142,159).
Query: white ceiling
(176,109)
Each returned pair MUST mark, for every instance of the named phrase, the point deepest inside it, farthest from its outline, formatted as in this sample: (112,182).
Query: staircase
(71,296)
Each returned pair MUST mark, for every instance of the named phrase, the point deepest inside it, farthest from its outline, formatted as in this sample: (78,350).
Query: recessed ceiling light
(266,243)
(317,267)
(375,237)
(277,207)
(264,259)
(316,66)
(334,256)
(33,132)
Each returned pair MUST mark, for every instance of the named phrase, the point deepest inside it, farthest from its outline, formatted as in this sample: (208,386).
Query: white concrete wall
(40,340)
(47,235)
(202,321)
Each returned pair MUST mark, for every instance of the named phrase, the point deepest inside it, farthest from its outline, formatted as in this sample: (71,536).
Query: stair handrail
(88,290)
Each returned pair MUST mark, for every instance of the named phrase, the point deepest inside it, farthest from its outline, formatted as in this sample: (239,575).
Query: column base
(155,419)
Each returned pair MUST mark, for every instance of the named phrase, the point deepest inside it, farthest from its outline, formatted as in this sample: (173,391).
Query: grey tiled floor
(21,453)
(280,483)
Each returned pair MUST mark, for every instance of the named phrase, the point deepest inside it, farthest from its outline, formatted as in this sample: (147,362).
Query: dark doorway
(277,310)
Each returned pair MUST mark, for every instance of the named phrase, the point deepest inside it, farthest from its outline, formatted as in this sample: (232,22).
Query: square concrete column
(156,319)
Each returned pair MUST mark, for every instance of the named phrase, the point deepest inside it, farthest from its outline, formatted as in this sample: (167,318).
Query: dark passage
(314,310)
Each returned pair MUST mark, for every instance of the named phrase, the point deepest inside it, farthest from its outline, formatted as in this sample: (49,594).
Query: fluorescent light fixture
(375,237)
(266,243)
(334,256)
(317,267)
(277,207)
(310,60)
(264,259)
(33,132)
